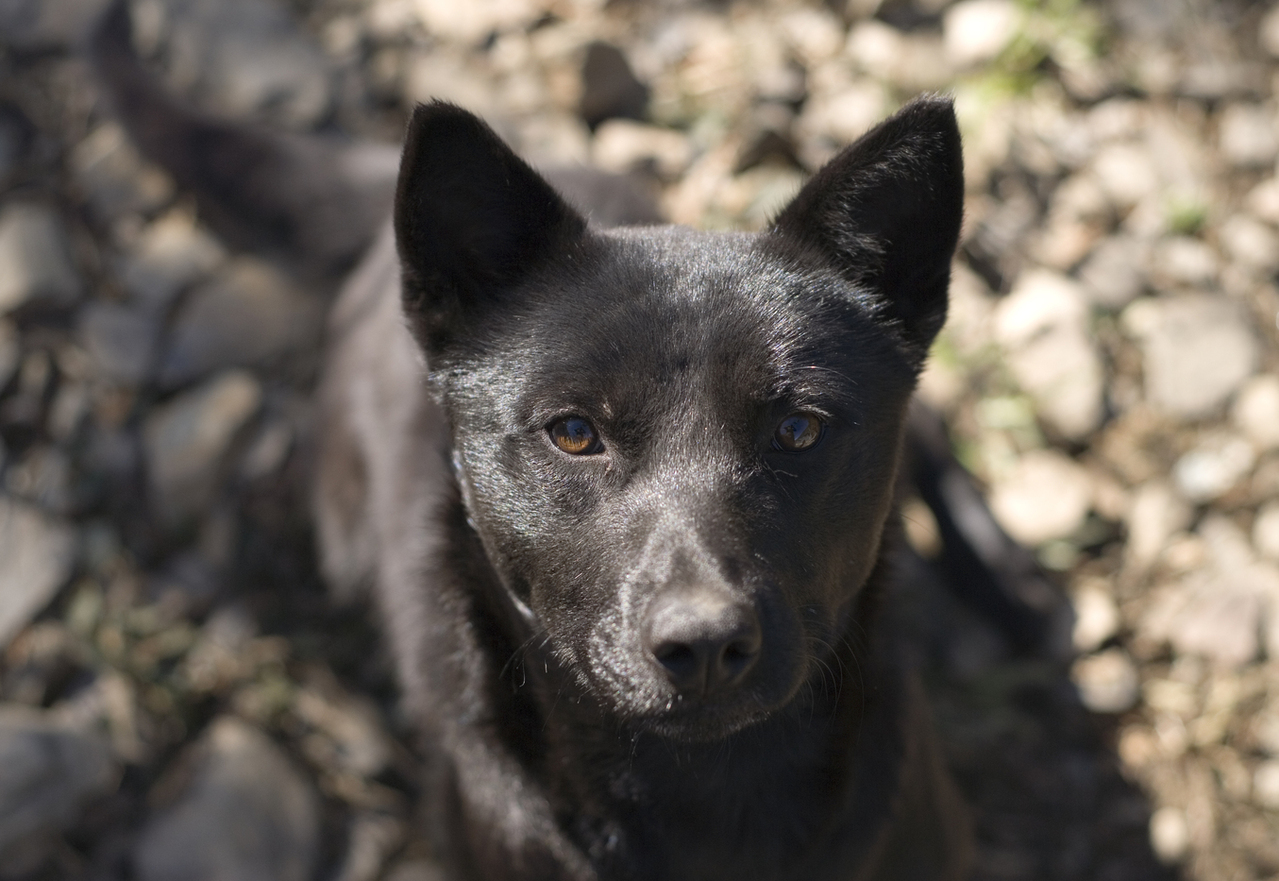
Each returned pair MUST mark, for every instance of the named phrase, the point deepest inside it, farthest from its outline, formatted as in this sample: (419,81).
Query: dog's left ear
(472,220)
(887,212)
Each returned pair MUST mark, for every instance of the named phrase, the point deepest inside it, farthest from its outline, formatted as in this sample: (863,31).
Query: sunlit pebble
(1265,785)
(1169,837)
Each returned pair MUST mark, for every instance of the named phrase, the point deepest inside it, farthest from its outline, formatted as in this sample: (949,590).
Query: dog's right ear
(472,220)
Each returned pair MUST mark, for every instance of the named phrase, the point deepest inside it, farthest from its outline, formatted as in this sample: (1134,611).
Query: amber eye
(576,436)
(798,432)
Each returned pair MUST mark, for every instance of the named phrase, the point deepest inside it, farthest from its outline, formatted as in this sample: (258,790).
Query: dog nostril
(703,644)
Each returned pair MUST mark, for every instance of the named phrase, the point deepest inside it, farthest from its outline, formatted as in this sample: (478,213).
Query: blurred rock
(48,771)
(840,115)
(37,554)
(1224,610)
(1113,275)
(622,145)
(120,340)
(1185,260)
(610,89)
(16,136)
(1248,135)
(1196,350)
(169,255)
(1265,785)
(1044,496)
(42,476)
(1155,516)
(10,352)
(1213,467)
(41,25)
(1096,615)
(1043,325)
(1251,243)
(246,57)
(357,743)
(247,814)
(373,837)
(1262,201)
(1127,173)
(1169,837)
(1265,531)
(246,315)
(975,31)
(415,870)
(187,440)
(1107,682)
(1256,411)
(115,177)
(814,34)
(475,22)
(35,259)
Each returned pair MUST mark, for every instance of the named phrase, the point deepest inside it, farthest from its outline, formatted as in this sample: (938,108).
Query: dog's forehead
(664,302)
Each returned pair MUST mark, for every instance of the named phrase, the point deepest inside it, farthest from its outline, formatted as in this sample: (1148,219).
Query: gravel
(1109,372)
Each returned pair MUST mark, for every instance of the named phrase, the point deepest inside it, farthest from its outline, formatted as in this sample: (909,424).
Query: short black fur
(663,659)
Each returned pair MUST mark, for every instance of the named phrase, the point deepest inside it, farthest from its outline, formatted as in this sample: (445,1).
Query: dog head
(678,448)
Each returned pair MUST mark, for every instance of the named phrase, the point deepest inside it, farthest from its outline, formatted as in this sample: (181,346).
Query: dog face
(678,448)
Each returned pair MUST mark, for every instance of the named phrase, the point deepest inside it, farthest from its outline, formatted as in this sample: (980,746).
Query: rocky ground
(178,698)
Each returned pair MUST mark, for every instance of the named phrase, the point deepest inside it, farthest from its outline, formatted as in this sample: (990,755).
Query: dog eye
(576,437)
(798,432)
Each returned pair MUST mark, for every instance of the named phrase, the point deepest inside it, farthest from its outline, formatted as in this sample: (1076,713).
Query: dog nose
(704,642)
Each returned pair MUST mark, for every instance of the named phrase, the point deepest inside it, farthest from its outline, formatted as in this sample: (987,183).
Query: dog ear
(472,220)
(887,212)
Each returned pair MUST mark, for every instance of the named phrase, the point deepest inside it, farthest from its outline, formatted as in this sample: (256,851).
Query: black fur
(532,597)
(566,747)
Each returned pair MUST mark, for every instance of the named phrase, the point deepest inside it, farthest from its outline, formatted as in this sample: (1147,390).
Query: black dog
(628,523)
(626,498)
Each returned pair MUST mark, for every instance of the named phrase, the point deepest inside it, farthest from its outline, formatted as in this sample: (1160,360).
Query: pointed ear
(886,213)
(472,220)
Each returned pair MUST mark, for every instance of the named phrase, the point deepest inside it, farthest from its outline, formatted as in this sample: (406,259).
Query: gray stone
(246,315)
(1113,275)
(1107,682)
(1256,411)
(1043,326)
(35,25)
(1155,516)
(246,815)
(474,22)
(1250,243)
(1096,615)
(1265,531)
(37,554)
(115,177)
(1213,467)
(610,88)
(188,438)
(1265,785)
(1222,611)
(975,31)
(621,146)
(1262,201)
(247,58)
(35,258)
(10,352)
(170,254)
(373,837)
(1185,260)
(1197,350)
(1209,616)
(1169,834)
(1044,496)
(120,340)
(42,476)
(1248,135)
(48,771)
